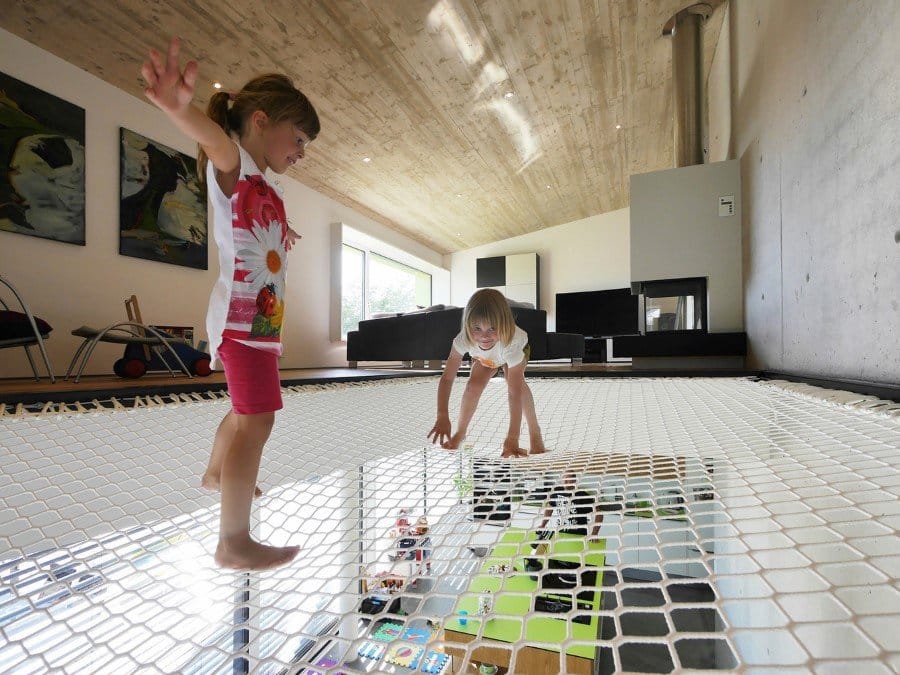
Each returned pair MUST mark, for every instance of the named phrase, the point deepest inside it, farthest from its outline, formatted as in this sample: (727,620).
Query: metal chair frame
(27,342)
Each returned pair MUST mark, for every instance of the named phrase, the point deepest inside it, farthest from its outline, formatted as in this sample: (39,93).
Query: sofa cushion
(533,322)
(15,325)
(440,329)
(398,338)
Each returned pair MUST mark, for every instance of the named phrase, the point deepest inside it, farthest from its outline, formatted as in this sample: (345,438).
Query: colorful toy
(387,631)
(139,358)
(404,655)
(418,635)
(371,650)
(435,662)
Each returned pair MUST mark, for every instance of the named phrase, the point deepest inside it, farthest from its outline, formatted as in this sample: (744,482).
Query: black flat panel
(490,272)
(688,343)
(594,350)
(598,313)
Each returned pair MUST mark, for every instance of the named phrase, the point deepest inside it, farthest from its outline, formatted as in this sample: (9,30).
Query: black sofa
(428,336)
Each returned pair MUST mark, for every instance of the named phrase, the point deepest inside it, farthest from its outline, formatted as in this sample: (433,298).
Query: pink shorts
(252,377)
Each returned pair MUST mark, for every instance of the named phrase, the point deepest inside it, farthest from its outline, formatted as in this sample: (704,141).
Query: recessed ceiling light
(508,94)
(618,126)
(217,85)
(366,160)
(459,194)
(459,234)
(548,187)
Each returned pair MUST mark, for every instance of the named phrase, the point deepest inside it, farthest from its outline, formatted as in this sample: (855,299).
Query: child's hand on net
(454,442)
(440,432)
(168,87)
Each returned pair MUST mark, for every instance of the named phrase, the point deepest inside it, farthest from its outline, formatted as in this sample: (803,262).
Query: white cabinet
(516,276)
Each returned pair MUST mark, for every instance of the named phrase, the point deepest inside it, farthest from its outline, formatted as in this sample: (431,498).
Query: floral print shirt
(250,229)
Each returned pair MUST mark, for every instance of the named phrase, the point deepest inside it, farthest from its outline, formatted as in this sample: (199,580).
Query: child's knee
(257,422)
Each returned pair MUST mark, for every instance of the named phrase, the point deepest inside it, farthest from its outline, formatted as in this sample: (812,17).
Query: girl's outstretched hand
(291,239)
(440,432)
(168,87)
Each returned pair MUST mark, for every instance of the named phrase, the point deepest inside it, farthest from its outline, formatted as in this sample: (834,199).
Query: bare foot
(514,453)
(254,556)
(511,449)
(211,483)
(537,448)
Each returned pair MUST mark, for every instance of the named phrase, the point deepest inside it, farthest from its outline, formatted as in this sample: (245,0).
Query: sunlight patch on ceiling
(445,19)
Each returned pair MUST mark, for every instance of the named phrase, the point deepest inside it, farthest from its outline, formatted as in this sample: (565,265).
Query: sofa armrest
(355,347)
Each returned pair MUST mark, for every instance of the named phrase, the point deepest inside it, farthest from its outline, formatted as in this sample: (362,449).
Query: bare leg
(478,379)
(224,437)
(240,465)
(536,440)
(513,449)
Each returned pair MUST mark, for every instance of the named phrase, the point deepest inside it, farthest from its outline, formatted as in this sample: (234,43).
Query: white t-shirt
(250,229)
(498,355)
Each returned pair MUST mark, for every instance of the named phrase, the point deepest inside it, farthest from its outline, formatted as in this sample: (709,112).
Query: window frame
(368,253)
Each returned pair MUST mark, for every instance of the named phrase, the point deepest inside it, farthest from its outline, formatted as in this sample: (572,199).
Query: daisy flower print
(263,259)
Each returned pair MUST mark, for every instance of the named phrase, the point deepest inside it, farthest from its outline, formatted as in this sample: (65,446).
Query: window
(353,262)
(395,287)
(373,284)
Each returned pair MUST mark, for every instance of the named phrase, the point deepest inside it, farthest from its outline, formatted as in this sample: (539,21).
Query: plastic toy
(140,358)
(136,361)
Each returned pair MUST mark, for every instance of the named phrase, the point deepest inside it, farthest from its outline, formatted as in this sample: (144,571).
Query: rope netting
(677,524)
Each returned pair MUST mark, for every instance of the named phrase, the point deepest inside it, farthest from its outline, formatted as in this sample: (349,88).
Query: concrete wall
(816,128)
(73,285)
(584,255)
(677,232)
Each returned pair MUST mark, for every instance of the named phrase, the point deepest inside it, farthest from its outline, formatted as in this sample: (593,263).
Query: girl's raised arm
(172,91)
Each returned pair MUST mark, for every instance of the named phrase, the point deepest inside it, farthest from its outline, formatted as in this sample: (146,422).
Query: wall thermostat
(726,205)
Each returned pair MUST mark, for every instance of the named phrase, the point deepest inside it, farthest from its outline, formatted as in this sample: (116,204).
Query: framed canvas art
(162,212)
(41,163)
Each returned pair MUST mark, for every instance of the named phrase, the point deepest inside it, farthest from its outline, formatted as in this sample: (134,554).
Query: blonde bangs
(491,307)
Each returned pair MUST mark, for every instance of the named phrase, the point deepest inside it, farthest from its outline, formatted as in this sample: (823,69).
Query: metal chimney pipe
(687,83)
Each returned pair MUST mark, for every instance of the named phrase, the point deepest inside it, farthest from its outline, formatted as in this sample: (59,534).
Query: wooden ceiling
(483,119)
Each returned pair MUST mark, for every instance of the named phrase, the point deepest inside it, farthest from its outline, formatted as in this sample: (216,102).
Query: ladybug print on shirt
(487,363)
(256,309)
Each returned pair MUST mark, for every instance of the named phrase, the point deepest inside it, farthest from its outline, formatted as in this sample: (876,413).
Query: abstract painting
(162,212)
(41,163)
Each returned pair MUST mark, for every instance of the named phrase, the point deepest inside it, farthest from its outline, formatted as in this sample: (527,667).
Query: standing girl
(490,335)
(266,125)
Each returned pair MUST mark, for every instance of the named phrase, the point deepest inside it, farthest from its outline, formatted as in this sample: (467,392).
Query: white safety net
(676,525)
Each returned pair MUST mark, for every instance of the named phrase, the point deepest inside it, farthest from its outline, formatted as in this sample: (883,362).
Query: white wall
(583,255)
(816,128)
(677,232)
(73,285)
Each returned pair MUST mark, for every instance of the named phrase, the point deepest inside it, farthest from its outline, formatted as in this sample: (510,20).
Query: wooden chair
(23,329)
